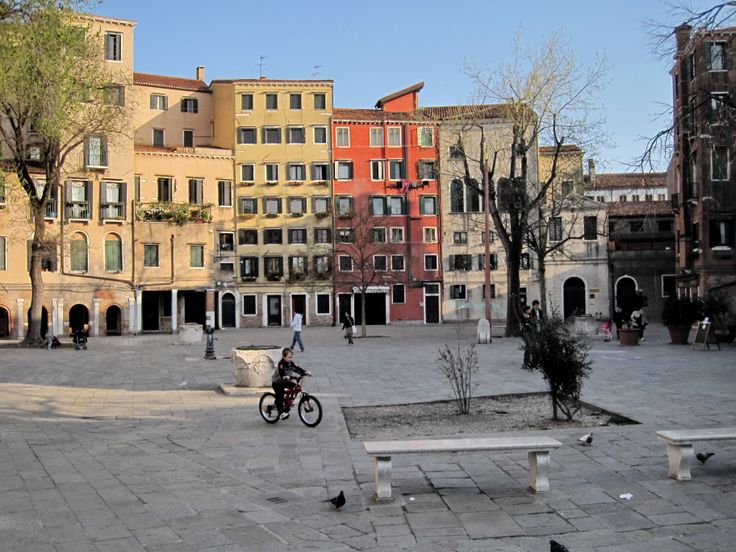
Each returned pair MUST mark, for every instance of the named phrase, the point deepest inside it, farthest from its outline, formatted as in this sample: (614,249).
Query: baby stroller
(80,339)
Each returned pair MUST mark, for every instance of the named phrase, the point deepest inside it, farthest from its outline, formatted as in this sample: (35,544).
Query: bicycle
(309,408)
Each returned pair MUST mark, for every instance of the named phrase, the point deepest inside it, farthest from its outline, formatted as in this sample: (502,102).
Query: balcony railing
(112,211)
(173,213)
(77,210)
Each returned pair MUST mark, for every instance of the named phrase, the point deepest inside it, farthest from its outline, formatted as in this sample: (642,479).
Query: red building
(386,205)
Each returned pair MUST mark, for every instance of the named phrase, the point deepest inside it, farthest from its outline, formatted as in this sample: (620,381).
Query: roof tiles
(161,81)
(639,208)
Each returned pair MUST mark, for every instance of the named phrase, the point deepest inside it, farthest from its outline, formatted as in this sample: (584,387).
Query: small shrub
(458,366)
(562,359)
(682,311)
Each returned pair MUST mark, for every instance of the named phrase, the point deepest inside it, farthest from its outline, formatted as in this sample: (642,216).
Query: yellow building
(279,131)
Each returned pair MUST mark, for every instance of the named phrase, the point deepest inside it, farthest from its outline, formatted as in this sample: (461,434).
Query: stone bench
(538,448)
(680,446)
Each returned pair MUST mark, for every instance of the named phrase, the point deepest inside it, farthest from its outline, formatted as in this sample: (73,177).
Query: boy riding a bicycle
(283,378)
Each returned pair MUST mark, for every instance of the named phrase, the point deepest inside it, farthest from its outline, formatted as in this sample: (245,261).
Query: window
(525,261)
(600,199)
(458,291)
(320,135)
(150,255)
(425,137)
(398,293)
(78,252)
(397,234)
(716,56)
(78,195)
(323,235)
(648,197)
(425,170)
(297,205)
(247,206)
(165,189)
(249,304)
(344,170)
(661,197)
(113,253)
(460,262)
(428,205)
(273,236)
(394,136)
(249,271)
(719,163)
(114,95)
(272,172)
(158,137)
(491,237)
(457,196)
(555,229)
(3,261)
(196,256)
(271,135)
(296,135)
(226,241)
(224,193)
(721,233)
(272,101)
(493,291)
(430,262)
(378,235)
(342,137)
(395,170)
(719,102)
(295,101)
(320,101)
(377,170)
(297,173)
(247,173)
(460,238)
(380,263)
(297,266)
(590,228)
(247,236)
(95,151)
(113,46)
(321,205)
(322,265)
(196,191)
(376,137)
(669,286)
(320,171)
(274,267)
(636,226)
(246,102)
(635,197)
(397,205)
(112,200)
(188,138)
(323,303)
(377,205)
(397,263)
(189,105)
(664,226)
(272,205)
(430,234)
(159,102)
(691,66)
(494,261)
(345,235)
(344,206)
(247,135)
(345,263)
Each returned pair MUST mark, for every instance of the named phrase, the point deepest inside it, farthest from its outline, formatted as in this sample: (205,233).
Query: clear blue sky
(372,48)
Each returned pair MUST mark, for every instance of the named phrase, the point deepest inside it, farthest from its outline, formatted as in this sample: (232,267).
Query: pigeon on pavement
(555,546)
(703,458)
(337,501)
(586,439)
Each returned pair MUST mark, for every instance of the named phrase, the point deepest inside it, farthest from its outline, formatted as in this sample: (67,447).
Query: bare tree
(544,96)
(54,93)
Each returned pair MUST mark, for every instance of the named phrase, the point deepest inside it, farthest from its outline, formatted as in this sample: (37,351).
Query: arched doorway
(44,320)
(228,310)
(625,286)
(573,293)
(4,323)
(113,320)
(78,317)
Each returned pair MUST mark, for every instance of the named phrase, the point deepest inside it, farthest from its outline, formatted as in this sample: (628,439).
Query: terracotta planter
(628,337)
(679,334)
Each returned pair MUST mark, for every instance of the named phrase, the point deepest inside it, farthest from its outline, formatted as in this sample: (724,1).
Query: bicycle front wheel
(310,410)
(267,407)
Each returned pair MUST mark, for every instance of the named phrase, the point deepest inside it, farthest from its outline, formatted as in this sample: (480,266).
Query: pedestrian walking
(296,325)
(537,314)
(618,320)
(348,326)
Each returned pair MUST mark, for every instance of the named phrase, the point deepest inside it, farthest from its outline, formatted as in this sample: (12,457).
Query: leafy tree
(562,358)
(54,87)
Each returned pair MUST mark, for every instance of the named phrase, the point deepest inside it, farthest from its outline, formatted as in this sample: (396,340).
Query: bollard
(209,352)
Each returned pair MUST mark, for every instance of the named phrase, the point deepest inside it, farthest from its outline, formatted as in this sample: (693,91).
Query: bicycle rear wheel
(310,410)
(267,408)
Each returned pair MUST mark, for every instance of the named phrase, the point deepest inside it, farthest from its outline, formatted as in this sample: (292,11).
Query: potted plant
(717,306)
(678,315)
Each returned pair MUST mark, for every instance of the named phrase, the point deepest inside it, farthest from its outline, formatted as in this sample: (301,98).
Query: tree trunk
(33,337)
(364,328)
(542,283)
(513,283)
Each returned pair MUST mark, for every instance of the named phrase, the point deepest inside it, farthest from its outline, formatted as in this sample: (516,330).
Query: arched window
(113,253)
(475,199)
(78,252)
(457,196)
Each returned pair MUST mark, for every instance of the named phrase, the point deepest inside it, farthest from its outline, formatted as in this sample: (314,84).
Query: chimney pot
(682,36)
(591,170)
(200,73)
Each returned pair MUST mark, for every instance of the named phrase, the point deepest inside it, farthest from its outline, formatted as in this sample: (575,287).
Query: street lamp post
(487,240)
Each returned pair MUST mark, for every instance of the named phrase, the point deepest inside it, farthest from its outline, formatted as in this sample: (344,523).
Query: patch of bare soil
(525,412)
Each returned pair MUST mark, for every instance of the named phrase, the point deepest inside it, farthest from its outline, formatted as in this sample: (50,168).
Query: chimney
(200,73)
(682,36)
(591,170)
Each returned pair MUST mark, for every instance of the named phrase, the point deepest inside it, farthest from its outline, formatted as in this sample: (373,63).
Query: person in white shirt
(296,325)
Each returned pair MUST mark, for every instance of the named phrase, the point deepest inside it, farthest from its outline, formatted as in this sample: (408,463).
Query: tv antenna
(316,71)
(260,66)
